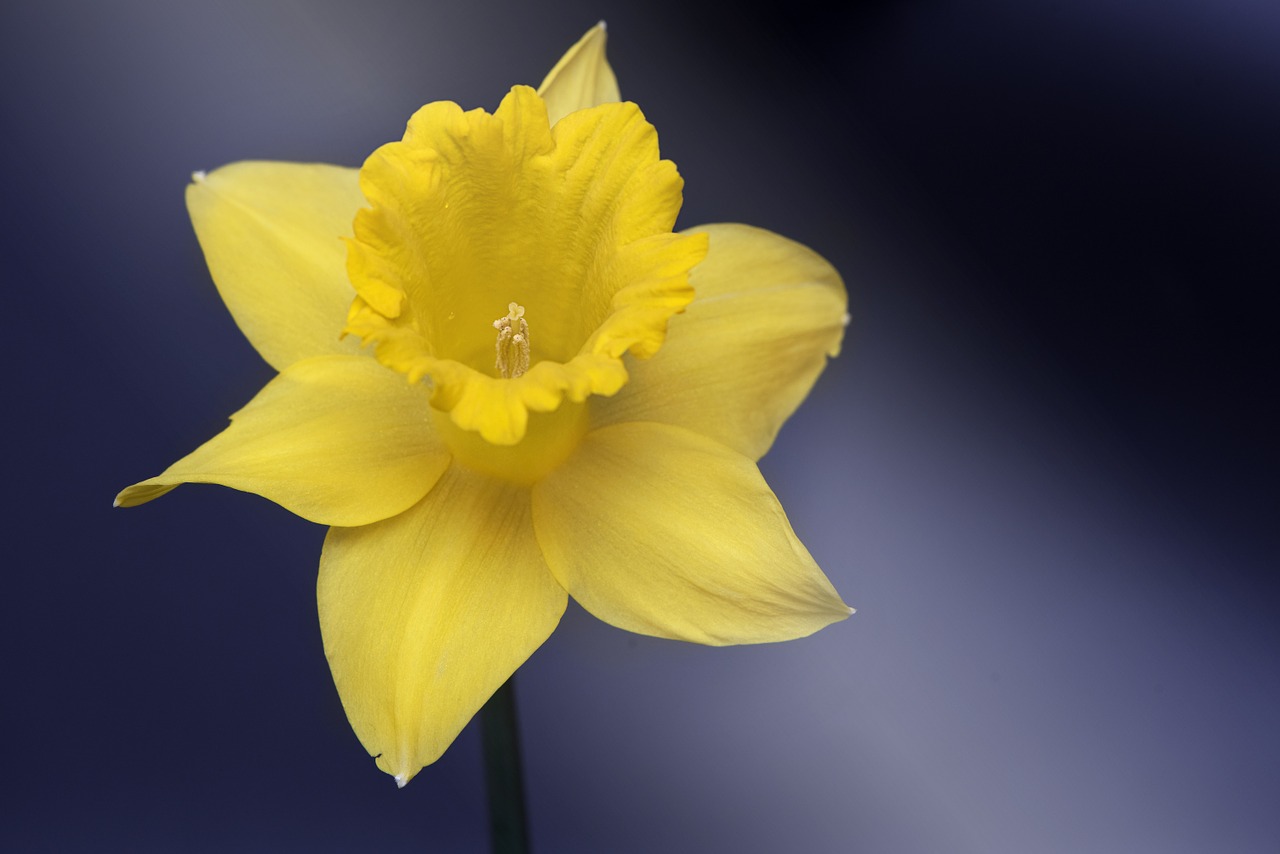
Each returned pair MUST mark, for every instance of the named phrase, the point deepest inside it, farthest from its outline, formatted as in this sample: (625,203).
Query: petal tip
(402,780)
(141,493)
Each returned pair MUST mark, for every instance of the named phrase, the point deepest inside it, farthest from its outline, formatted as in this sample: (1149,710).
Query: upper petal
(338,440)
(766,315)
(582,78)
(658,530)
(272,236)
(425,615)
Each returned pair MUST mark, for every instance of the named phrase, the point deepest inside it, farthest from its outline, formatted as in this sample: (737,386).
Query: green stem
(508,829)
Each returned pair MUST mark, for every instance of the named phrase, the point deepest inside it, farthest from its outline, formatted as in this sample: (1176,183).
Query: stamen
(513,342)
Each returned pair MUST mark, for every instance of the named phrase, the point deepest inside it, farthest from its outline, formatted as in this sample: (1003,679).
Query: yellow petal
(472,212)
(338,440)
(767,314)
(425,615)
(658,530)
(272,236)
(582,78)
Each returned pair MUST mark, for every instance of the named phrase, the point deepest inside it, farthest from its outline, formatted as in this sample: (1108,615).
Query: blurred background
(1044,469)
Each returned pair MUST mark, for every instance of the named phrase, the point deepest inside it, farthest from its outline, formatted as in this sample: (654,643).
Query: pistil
(513,342)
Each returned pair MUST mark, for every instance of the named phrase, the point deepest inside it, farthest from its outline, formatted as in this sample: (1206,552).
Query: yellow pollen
(513,342)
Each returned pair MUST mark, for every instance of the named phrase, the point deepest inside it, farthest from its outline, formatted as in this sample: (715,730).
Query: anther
(513,342)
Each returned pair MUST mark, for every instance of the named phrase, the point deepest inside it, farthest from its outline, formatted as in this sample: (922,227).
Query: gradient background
(1044,469)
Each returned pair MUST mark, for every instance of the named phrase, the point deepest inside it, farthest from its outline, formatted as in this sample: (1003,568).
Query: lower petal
(425,615)
(658,530)
(338,440)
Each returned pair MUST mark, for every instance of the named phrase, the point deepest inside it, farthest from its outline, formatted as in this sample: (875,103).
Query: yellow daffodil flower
(504,380)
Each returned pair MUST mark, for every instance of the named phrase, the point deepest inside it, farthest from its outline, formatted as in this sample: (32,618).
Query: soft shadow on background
(1044,469)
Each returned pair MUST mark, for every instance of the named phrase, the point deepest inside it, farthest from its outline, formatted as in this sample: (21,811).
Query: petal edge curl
(305,443)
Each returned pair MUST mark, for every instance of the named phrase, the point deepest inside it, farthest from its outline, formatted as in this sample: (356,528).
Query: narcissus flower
(504,380)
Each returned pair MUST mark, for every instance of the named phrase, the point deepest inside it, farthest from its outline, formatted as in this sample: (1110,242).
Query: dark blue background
(1044,469)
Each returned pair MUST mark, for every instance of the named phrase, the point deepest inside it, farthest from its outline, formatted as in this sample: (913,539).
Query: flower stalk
(508,828)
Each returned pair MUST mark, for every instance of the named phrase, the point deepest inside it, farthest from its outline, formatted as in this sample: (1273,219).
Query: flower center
(549,439)
(513,342)
(471,210)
